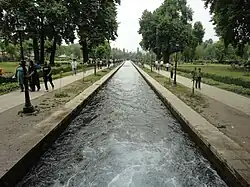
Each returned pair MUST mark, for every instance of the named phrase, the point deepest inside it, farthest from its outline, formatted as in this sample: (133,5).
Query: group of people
(169,67)
(196,75)
(103,63)
(33,75)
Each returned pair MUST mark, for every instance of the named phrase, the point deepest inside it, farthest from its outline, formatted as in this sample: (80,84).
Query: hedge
(225,79)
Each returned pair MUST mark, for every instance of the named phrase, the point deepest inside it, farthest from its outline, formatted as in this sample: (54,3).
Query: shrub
(7,80)
(8,87)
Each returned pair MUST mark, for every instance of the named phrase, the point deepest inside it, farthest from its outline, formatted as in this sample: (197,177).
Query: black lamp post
(175,69)
(28,108)
(151,59)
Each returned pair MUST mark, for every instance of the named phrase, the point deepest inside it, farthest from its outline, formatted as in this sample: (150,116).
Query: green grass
(229,87)
(196,101)
(219,69)
(10,67)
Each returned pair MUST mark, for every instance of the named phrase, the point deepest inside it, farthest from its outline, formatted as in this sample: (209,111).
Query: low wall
(47,131)
(230,159)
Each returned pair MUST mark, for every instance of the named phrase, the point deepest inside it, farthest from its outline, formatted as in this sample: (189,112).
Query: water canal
(124,137)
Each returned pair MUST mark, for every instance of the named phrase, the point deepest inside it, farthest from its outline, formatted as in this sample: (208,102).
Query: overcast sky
(130,11)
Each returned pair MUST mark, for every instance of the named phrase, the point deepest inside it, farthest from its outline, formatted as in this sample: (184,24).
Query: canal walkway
(125,136)
(231,99)
(13,99)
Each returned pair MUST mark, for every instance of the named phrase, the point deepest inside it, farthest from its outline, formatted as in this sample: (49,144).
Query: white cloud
(131,10)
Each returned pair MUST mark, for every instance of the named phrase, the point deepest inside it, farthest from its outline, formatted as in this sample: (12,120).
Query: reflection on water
(124,137)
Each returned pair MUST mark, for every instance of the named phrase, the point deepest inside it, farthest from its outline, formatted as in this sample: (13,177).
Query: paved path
(229,98)
(16,98)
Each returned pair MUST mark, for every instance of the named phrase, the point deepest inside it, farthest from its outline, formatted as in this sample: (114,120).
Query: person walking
(198,79)
(47,76)
(109,63)
(167,66)
(161,65)
(194,77)
(33,77)
(20,76)
(101,63)
(74,66)
(156,64)
(171,71)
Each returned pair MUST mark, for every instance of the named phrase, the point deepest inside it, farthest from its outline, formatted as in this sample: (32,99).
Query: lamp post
(175,69)
(157,42)
(28,108)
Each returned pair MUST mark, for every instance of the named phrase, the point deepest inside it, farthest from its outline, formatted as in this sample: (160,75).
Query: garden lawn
(219,69)
(8,67)
(225,74)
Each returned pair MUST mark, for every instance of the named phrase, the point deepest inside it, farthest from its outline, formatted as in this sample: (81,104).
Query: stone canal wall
(46,132)
(230,160)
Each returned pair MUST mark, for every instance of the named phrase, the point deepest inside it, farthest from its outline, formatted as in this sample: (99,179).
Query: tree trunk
(166,56)
(53,51)
(42,44)
(36,49)
(85,52)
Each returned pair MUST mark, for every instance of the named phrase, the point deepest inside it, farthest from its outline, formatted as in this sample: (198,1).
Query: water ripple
(124,137)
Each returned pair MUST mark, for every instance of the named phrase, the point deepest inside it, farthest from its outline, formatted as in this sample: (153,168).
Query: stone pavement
(13,99)
(231,99)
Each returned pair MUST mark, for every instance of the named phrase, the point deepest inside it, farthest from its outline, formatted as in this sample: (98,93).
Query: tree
(167,29)
(198,32)
(199,53)
(232,21)
(103,51)
(56,20)
(75,50)
(95,20)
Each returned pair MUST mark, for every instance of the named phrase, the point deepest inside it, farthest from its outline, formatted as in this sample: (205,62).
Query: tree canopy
(93,21)
(167,29)
(231,20)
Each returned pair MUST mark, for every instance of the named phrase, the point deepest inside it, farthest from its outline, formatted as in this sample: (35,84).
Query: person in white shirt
(74,66)
(167,66)
(161,65)
(156,64)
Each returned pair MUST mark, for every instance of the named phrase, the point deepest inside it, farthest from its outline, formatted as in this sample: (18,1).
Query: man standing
(194,77)
(167,66)
(171,71)
(47,76)
(161,65)
(198,79)
(74,66)
(34,77)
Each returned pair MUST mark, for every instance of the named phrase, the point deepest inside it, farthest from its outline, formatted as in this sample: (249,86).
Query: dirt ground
(230,121)
(14,126)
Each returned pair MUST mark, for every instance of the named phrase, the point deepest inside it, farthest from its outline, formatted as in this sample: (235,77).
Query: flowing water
(124,137)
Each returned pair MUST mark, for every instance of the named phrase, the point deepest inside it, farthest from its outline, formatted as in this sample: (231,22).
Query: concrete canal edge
(230,160)
(47,131)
